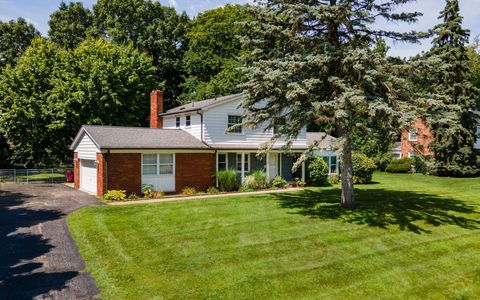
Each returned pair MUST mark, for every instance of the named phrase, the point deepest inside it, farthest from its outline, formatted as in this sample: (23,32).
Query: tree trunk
(348,195)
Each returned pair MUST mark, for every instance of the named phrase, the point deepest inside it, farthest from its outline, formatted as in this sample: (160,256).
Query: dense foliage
(363,168)
(70,25)
(212,58)
(315,62)
(227,180)
(51,92)
(15,37)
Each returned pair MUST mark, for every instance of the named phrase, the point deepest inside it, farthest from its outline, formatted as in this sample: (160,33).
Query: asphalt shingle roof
(116,137)
(201,104)
(326,141)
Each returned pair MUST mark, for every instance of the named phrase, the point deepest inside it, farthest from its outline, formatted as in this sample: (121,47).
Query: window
(165,164)
(246,162)
(412,135)
(333,164)
(177,122)
(149,164)
(157,164)
(478,132)
(411,154)
(234,120)
(222,161)
(187,121)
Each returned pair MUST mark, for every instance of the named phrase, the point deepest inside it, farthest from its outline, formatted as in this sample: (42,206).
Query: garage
(88,176)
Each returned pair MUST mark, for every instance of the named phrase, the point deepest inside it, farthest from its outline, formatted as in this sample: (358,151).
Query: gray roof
(198,105)
(116,137)
(325,140)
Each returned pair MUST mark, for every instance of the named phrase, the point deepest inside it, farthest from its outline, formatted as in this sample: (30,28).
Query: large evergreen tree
(313,61)
(70,24)
(450,97)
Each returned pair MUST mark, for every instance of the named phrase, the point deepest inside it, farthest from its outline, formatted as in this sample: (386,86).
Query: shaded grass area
(412,236)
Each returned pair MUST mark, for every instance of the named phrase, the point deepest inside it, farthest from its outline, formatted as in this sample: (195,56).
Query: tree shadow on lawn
(382,208)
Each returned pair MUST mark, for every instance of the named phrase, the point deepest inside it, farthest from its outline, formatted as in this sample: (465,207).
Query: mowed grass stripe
(402,242)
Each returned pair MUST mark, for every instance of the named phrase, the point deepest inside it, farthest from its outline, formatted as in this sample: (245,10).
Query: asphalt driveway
(38,258)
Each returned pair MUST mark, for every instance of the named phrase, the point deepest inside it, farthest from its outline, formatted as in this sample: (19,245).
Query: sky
(37,12)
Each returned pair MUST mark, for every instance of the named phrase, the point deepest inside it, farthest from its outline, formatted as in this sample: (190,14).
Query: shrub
(382,161)
(403,165)
(422,164)
(317,171)
(132,197)
(157,195)
(334,179)
(279,182)
(255,181)
(363,168)
(115,195)
(299,182)
(189,191)
(147,190)
(227,180)
(212,190)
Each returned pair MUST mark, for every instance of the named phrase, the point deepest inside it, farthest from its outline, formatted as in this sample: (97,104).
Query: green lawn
(412,237)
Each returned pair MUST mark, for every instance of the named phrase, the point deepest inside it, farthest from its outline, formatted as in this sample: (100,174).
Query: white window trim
(178,122)
(410,154)
(226,160)
(247,154)
(158,166)
(410,136)
(235,133)
(190,125)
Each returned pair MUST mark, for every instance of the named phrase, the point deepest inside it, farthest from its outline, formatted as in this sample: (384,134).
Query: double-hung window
(222,161)
(246,162)
(157,164)
(177,122)
(234,120)
(412,135)
(333,164)
(188,121)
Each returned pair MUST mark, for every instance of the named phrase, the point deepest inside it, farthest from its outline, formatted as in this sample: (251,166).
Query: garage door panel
(88,176)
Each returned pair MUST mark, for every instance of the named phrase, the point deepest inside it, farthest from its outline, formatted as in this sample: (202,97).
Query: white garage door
(88,176)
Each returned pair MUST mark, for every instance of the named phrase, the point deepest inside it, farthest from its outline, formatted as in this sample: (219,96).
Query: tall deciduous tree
(70,24)
(151,28)
(450,97)
(51,92)
(15,37)
(212,60)
(313,61)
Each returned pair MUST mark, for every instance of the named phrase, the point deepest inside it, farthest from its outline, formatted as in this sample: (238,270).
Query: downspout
(106,169)
(201,124)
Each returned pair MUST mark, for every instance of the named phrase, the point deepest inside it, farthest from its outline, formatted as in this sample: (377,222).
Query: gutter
(179,112)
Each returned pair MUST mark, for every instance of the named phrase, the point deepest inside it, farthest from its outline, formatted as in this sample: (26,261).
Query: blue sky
(37,12)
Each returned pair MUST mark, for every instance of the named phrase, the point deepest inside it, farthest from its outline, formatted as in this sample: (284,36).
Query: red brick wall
(124,172)
(76,171)
(421,145)
(101,169)
(194,170)
(156,106)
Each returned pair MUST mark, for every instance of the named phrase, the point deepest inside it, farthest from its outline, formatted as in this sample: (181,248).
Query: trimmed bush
(382,161)
(147,190)
(227,180)
(278,182)
(115,195)
(363,168)
(403,165)
(299,182)
(317,171)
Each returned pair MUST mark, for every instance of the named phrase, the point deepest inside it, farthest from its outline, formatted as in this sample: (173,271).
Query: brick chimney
(156,107)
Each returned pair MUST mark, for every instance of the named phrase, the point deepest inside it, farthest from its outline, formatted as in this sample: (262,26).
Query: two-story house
(184,146)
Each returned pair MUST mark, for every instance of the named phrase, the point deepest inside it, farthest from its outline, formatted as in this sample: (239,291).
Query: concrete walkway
(289,190)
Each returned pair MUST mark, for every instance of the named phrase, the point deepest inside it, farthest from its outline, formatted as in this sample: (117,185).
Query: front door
(272,165)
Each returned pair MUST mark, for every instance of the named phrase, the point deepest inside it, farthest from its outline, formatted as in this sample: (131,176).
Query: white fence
(32,176)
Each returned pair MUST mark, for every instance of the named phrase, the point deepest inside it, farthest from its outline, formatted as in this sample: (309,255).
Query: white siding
(86,149)
(477,144)
(215,124)
(195,128)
